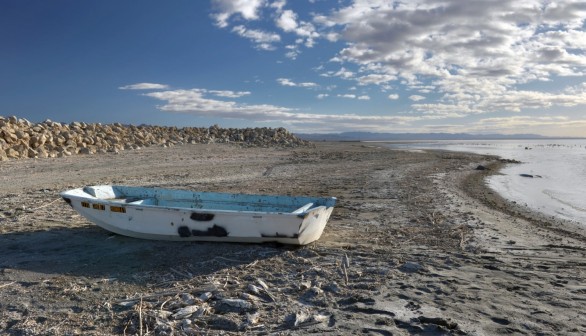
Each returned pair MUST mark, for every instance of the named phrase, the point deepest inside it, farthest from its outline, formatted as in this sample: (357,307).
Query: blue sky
(491,66)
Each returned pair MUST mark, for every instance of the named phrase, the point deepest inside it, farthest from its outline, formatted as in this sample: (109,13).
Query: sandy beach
(417,245)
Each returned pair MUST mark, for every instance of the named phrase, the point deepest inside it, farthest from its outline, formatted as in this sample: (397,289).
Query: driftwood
(170,293)
(8,284)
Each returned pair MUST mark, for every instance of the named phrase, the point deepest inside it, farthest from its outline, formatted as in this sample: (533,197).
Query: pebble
(410,267)
(233,305)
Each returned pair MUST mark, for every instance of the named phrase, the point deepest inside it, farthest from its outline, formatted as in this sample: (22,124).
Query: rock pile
(19,138)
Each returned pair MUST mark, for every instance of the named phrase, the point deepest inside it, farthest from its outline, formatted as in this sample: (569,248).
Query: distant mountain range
(369,136)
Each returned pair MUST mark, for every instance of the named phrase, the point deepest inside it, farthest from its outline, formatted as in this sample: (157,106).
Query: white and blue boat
(182,215)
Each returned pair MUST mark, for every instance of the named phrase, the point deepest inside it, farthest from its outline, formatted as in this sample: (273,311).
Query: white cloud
(502,100)
(492,47)
(250,10)
(322,95)
(347,95)
(353,96)
(247,9)
(579,89)
(332,37)
(393,96)
(344,73)
(195,101)
(292,55)
(287,21)
(229,94)
(264,40)
(285,82)
(144,86)
(416,97)
(375,79)
(288,82)
(308,84)
(278,5)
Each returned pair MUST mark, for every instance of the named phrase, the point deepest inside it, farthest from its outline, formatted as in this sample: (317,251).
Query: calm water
(558,186)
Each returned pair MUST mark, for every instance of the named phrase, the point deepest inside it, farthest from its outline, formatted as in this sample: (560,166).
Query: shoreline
(492,199)
(551,195)
(429,248)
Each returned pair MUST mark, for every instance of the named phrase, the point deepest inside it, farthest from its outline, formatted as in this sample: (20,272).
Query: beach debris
(252,318)
(237,303)
(249,297)
(263,284)
(254,289)
(481,167)
(258,293)
(304,285)
(7,284)
(162,314)
(304,317)
(314,296)
(530,175)
(205,296)
(185,312)
(203,310)
(126,304)
(320,317)
(187,298)
(346,260)
(345,272)
(233,305)
(265,288)
(297,318)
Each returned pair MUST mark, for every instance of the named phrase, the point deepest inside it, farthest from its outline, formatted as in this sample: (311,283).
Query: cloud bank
(224,104)
(213,103)
(476,56)
(476,65)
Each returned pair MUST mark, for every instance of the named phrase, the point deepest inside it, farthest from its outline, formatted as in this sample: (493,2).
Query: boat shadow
(93,252)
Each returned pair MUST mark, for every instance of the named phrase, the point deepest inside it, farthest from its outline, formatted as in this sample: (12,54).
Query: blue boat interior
(207,200)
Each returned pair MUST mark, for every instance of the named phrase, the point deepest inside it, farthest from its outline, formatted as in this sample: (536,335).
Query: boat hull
(178,215)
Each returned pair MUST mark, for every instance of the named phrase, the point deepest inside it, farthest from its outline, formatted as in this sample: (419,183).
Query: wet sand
(416,245)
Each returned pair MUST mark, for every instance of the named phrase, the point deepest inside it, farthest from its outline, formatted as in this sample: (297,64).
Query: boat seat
(134,200)
(145,201)
(303,208)
(101,192)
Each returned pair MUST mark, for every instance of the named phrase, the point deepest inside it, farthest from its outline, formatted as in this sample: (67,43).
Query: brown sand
(416,245)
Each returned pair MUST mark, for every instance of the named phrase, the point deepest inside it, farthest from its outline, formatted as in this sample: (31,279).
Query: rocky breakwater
(19,138)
